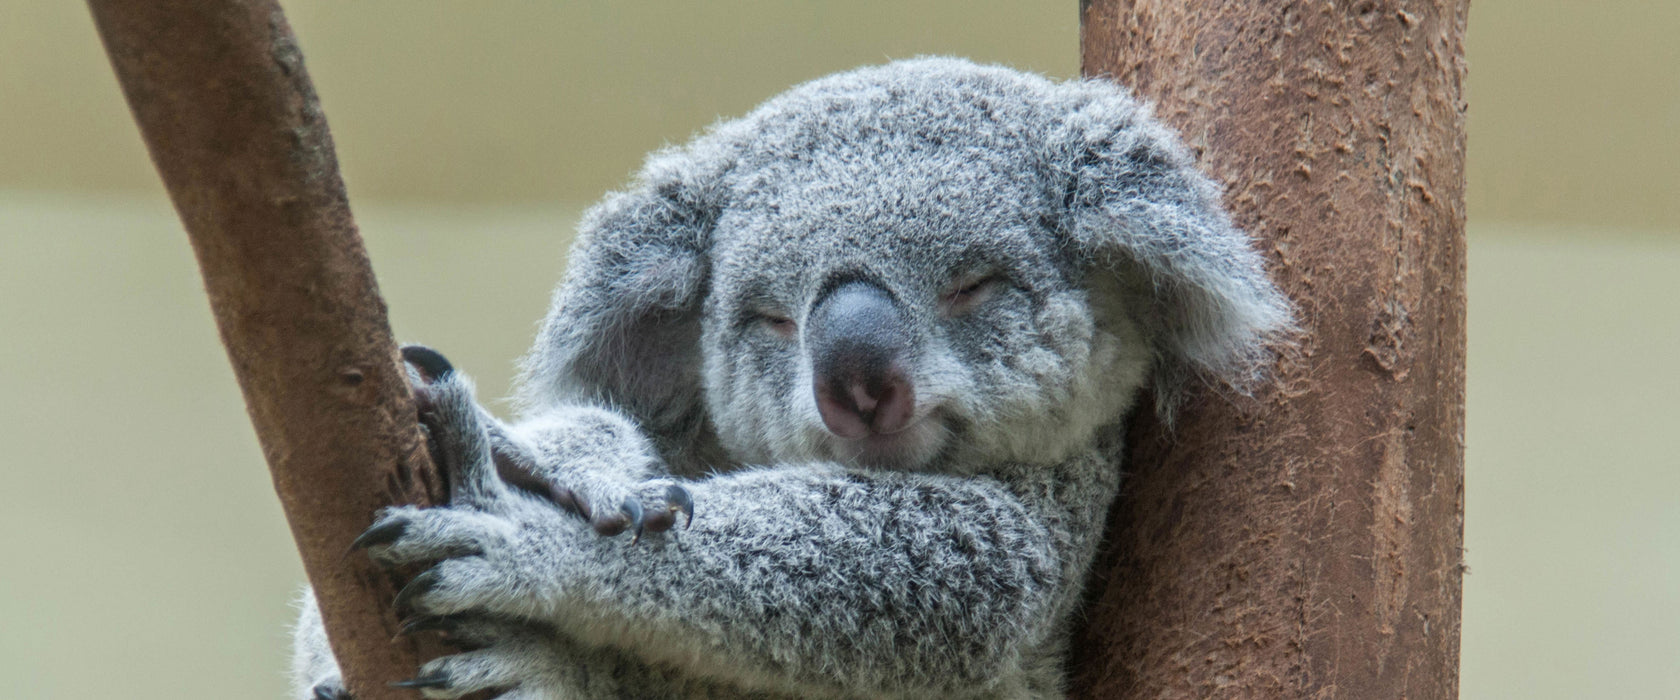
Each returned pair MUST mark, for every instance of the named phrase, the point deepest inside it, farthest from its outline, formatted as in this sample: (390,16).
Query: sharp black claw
(632,508)
(430,680)
(431,364)
(417,587)
(679,500)
(381,533)
(426,623)
(330,692)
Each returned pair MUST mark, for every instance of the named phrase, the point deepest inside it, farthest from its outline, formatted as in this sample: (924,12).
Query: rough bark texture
(233,125)
(1305,543)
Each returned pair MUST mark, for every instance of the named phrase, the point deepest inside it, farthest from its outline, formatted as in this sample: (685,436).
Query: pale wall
(142,554)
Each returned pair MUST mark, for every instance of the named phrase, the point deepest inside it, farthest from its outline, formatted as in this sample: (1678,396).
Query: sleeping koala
(843,377)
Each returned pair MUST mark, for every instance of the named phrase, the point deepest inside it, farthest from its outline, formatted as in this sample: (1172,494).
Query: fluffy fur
(1052,249)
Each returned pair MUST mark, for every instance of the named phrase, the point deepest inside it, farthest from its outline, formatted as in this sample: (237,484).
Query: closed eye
(782,326)
(969,294)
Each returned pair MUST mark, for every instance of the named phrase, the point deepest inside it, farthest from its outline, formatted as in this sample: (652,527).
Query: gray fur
(946,562)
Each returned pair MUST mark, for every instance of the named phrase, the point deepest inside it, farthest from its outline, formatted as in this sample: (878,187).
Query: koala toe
(657,515)
(677,500)
(513,655)
(466,585)
(409,535)
(514,468)
(630,516)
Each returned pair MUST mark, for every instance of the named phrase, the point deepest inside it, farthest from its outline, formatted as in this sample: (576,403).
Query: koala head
(928,261)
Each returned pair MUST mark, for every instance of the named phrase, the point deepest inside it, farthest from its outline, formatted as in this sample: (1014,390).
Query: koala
(827,403)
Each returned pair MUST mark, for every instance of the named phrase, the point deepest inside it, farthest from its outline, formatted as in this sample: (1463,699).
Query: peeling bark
(1305,542)
(233,124)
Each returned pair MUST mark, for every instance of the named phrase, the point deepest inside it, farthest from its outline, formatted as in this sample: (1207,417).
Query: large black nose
(859,345)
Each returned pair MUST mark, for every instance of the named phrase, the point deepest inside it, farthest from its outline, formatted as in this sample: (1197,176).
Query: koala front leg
(813,580)
(816,580)
(616,484)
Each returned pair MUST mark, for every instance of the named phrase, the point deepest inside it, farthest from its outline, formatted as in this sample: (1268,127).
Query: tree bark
(1306,542)
(233,124)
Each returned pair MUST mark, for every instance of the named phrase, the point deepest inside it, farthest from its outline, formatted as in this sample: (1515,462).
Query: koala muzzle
(859,345)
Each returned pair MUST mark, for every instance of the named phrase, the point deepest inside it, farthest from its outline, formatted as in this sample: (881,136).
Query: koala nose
(859,343)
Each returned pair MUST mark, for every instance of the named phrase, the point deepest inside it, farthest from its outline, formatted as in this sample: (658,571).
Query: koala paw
(480,457)
(518,562)
(650,508)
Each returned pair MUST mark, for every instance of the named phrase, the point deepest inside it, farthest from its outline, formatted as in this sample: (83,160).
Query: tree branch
(1307,543)
(232,122)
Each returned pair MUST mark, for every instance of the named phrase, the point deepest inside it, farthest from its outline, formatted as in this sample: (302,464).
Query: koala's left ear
(1134,202)
(623,328)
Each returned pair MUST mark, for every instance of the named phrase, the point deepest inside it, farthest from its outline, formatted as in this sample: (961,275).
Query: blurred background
(143,554)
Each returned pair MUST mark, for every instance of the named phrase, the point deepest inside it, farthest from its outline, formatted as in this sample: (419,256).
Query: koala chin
(827,403)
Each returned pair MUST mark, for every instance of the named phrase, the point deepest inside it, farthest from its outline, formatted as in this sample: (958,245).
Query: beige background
(142,554)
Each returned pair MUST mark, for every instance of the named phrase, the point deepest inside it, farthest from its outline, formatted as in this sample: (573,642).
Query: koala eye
(969,293)
(782,326)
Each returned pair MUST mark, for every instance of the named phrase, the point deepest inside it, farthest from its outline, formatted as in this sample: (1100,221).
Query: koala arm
(808,578)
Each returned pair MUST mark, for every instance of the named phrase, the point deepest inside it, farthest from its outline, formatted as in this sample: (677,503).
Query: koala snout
(859,346)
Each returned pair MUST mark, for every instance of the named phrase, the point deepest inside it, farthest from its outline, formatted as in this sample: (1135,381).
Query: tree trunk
(1306,542)
(232,122)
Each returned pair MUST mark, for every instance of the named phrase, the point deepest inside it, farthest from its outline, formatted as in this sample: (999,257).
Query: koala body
(874,338)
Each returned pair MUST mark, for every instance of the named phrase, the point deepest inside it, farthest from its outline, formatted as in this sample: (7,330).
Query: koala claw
(430,680)
(330,691)
(418,586)
(629,517)
(637,519)
(432,364)
(427,623)
(380,533)
(677,500)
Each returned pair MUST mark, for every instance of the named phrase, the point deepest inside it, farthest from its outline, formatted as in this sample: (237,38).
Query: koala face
(872,309)
(927,264)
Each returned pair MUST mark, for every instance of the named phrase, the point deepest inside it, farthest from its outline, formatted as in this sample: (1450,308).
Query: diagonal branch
(220,93)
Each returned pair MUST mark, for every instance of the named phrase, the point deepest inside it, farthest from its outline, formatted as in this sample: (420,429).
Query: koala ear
(623,327)
(1134,203)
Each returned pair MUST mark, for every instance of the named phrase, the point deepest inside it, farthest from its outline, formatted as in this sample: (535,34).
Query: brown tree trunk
(232,122)
(1305,543)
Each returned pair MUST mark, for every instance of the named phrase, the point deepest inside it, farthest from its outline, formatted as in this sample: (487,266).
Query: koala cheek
(948,383)
(758,403)
(1067,326)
